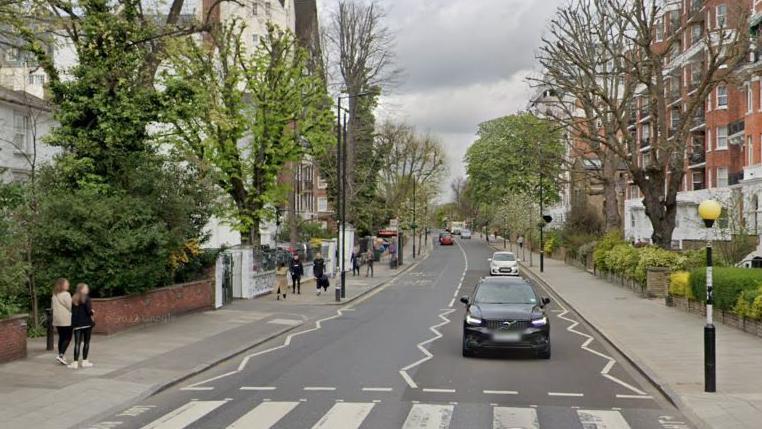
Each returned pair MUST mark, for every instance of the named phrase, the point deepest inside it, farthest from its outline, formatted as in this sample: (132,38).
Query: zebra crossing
(353,415)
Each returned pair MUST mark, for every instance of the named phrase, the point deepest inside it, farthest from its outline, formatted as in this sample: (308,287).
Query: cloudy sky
(464,61)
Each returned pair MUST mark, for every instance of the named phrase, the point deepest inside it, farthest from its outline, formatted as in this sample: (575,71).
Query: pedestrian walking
(318,270)
(297,271)
(355,260)
(82,325)
(281,280)
(369,261)
(60,302)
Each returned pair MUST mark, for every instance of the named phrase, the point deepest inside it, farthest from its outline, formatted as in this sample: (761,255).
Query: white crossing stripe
(429,416)
(602,419)
(185,415)
(514,418)
(345,415)
(264,415)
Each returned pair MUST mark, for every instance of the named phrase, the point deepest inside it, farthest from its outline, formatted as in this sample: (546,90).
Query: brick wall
(115,314)
(13,338)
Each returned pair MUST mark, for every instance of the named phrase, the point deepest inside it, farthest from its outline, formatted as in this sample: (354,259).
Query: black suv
(506,314)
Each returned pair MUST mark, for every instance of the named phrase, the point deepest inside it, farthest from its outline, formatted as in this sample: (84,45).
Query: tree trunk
(293,226)
(661,211)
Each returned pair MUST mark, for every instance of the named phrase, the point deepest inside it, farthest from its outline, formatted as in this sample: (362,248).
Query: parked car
(465,233)
(505,314)
(446,240)
(503,264)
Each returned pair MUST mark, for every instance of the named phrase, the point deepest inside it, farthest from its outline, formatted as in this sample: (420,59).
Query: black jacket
(82,314)
(297,269)
(319,267)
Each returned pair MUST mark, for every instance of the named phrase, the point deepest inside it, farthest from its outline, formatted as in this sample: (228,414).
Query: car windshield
(502,293)
(503,257)
(465,231)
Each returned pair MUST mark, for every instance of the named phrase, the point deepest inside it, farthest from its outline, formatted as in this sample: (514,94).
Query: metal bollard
(49,326)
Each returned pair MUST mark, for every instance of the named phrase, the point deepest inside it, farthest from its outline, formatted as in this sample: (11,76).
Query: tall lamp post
(709,211)
(413,226)
(341,191)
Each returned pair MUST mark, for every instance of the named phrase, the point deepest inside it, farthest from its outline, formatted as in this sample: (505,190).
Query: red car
(446,240)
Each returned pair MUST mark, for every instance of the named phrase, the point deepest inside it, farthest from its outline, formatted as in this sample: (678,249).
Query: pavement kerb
(157,388)
(623,350)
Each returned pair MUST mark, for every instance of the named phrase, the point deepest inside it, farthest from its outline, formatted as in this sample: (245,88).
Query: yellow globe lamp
(709,211)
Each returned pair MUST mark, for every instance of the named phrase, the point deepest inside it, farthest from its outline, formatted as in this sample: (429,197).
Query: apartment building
(724,160)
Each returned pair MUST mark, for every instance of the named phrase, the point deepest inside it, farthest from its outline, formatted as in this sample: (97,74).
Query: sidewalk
(667,345)
(39,393)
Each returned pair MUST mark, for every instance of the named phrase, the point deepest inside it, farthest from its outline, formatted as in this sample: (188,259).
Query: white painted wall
(17,124)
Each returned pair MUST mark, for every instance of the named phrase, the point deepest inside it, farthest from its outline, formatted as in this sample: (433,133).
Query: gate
(227,278)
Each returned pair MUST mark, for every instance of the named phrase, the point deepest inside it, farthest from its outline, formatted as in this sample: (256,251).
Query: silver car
(503,264)
(465,233)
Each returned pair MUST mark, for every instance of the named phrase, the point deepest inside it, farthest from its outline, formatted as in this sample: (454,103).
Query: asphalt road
(393,360)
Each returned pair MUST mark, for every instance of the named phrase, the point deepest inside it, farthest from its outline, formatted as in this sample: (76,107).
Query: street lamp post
(413,225)
(709,211)
(542,225)
(339,256)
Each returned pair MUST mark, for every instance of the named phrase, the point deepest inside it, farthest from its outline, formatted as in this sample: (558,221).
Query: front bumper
(480,337)
(496,271)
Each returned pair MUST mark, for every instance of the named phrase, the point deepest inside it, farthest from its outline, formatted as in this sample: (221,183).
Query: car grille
(506,270)
(517,325)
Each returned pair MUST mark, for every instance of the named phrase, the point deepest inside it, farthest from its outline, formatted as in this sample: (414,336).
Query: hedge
(729,284)
(680,284)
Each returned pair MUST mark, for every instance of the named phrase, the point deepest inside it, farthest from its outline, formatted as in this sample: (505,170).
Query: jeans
(64,338)
(82,339)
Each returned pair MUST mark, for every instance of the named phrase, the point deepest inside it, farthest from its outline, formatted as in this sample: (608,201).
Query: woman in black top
(82,324)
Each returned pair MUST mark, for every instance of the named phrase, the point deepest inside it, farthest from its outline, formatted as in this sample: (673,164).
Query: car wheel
(545,354)
(467,352)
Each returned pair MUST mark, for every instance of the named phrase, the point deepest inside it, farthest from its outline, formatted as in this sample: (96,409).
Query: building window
(721,12)
(20,125)
(632,220)
(749,151)
(748,98)
(722,138)
(660,30)
(322,184)
(722,96)
(36,79)
(698,180)
(254,8)
(696,33)
(722,177)
(268,9)
(322,204)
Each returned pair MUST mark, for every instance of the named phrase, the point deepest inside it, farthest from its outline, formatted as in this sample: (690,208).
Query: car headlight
(474,316)
(540,322)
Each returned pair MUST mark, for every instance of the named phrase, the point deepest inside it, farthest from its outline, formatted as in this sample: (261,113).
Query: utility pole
(338,193)
(344,214)
(413,226)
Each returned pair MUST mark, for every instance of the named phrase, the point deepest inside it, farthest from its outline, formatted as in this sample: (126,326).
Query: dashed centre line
(576,395)
(319,389)
(500,392)
(439,390)
(258,388)
(377,389)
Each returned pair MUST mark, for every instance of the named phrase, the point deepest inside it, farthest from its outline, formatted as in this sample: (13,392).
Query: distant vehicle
(446,239)
(465,233)
(505,314)
(457,226)
(503,264)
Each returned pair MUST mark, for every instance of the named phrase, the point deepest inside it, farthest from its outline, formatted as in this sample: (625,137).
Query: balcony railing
(644,143)
(698,156)
(699,118)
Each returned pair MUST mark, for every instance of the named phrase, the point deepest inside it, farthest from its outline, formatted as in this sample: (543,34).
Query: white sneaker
(87,364)
(73,365)
(61,360)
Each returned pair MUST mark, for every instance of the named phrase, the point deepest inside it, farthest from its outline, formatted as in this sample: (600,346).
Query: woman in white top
(61,305)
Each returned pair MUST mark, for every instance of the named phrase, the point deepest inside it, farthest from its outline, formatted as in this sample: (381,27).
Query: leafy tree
(256,112)
(14,266)
(509,156)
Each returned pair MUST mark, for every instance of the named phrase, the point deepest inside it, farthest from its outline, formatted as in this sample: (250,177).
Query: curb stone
(631,357)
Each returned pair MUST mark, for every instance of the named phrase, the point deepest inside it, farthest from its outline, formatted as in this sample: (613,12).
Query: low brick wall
(116,314)
(13,338)
(753,327)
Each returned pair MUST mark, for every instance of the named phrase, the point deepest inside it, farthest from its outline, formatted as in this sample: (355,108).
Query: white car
(465,233)
(503,264)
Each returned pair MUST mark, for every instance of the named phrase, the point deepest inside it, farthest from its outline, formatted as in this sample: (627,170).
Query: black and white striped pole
(709,211)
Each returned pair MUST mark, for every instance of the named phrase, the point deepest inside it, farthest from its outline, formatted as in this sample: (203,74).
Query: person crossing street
(297,270)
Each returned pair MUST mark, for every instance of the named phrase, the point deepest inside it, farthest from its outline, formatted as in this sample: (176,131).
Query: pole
(709,332)
(542,227)
(338,192)
(413,217)
(344,213)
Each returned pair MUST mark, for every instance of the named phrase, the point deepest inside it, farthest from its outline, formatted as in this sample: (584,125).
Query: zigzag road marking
(437,335)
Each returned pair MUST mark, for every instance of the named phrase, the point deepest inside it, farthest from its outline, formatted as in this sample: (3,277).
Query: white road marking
(500,392)
(439,390)
(429,416)
(259,388)
(634,396)
(185,415)
(377,389)
(602,419)
(429,355)
(576,395)
(135,411)
(196,388)
(345,415)
(319,389)
(514,418)
(264,415)
(106,425)
(286,343)
(288,322)
(585,346)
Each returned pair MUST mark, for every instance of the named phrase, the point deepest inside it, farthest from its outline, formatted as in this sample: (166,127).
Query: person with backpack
(297,271)
(318,270)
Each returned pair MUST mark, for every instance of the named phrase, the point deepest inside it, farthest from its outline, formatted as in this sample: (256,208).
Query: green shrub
(679,284)
(586,249)
(608,242)
(652,257)
(550,245)
(729,284)
(622,259)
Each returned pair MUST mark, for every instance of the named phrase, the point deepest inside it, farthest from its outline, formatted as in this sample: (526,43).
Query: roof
(24,99)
